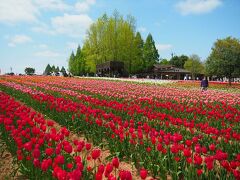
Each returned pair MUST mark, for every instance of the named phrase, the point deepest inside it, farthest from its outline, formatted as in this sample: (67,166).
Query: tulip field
(82,128)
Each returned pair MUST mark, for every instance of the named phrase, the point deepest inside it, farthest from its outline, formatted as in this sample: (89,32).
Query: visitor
(204,84)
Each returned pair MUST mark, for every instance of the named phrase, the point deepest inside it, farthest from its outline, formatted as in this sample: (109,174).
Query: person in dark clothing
(204,84)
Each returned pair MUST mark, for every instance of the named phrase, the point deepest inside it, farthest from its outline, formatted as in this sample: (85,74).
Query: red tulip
(143,173)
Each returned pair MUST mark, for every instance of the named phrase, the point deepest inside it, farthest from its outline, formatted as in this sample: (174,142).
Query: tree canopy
(178,61)
(114,39)
(194,65)
(224,60)
(29,71)
(48,70)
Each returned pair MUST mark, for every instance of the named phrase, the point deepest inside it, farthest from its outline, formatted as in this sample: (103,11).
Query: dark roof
(169,68)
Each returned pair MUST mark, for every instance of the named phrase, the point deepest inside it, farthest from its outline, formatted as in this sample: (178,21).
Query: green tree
(29,71)
(57,70)
(194,65)
(224,60)
(111,39)
(48,70)
(139,63)
(178,61)
(150,52)
(77,63)
(63,71)
(53,69)
(164,62)
(71,64)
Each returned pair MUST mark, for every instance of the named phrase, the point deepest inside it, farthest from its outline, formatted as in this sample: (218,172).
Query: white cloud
(72,25)
(197,6)
(43,28)
(142,29)
(42,46)
(84,6)
(163,47)
(52,5)
(19,39)
(15,11)
(72,45)
(47,53)
(12,11)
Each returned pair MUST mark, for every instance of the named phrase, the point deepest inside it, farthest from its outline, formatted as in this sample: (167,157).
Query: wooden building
(110,69)
(169,72)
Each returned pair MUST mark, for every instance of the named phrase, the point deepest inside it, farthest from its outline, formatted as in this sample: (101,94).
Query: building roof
(169,68)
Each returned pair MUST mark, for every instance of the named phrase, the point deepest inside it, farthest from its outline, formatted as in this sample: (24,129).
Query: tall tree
(57,70)
(139,62)
(71,64)
(178,61)
(150,52)
(53,69)
(63,71)
(224,60)
(48,70)
(194,65)
(111,39)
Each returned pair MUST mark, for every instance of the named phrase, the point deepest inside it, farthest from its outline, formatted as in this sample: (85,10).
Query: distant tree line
(115,39)
(49,70)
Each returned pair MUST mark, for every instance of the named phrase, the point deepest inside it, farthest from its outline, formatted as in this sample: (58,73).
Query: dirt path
(8,168)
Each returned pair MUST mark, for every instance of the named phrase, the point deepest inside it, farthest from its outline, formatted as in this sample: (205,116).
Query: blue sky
(34,33)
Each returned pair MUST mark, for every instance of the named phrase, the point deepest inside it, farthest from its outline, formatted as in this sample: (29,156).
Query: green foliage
(164,62)
(224,60)
(138,62)
(150,52)
(71,64)
(178,61)
(29,71)
(48,70)
(63,71)
(57,70)
(194,65)
(114,39)
(77,63)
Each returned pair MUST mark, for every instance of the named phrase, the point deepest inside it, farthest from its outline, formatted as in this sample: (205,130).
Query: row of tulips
(213,84)
(225,126)
(129,91)
(47,151)
(171,148)
(226,115)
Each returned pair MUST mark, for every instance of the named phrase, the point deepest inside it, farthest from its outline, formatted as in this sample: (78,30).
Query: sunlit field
(93,128)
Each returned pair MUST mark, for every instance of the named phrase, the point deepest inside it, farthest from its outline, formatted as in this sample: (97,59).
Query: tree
(164,62)
(150,52)
(113,39)
(71,64)
(178,61)
(194,65)
(63,71)
(57,70)
(53,69)
(139,63)
(29,71)
(77,63)
(224,60)
(48,70)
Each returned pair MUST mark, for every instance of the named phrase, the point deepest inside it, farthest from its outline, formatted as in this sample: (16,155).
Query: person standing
(204,84)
